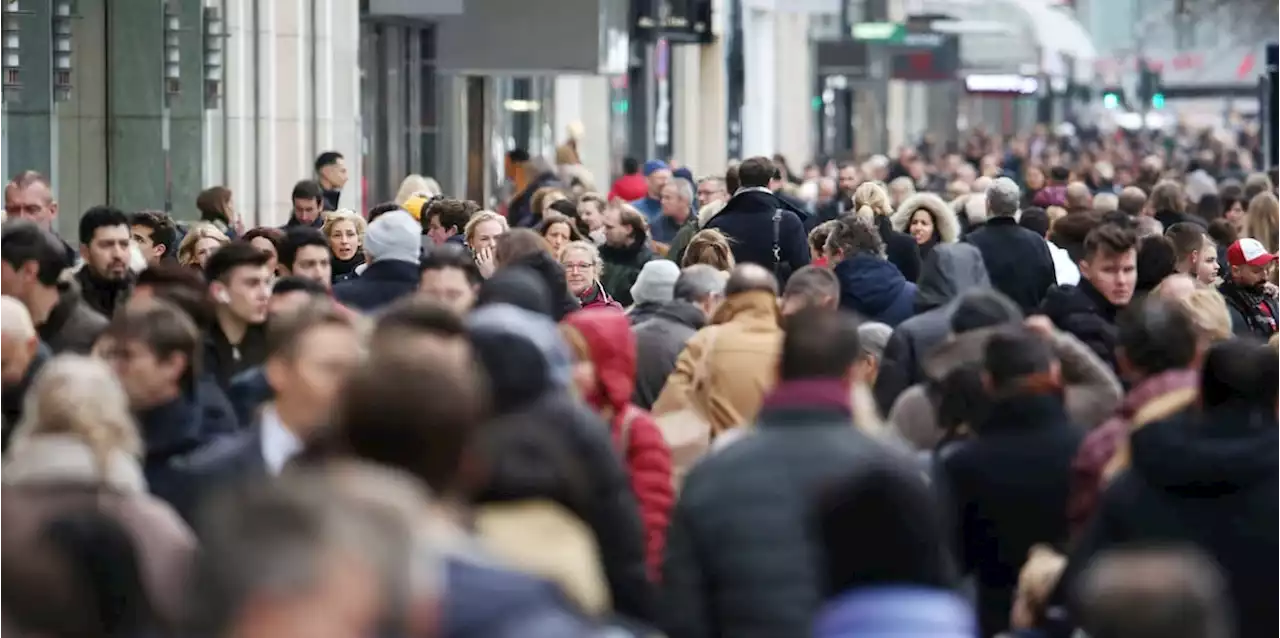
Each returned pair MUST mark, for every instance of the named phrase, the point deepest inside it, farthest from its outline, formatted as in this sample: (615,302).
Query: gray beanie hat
(656,281)
(393,236)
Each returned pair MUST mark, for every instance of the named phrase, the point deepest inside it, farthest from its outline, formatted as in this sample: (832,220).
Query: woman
(1033,181)
(542,200)
(481,235)
(77,448)
(709,247)
(344,231)
(558,230)
(928,220)
(201,241)
(582,268)
(416,185)
(604,372)
(267,239)
(1262,221)
(215,208)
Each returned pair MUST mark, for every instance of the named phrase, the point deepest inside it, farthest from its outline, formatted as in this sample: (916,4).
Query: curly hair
(344,215)
(202,230)
(854,235)
(710,247)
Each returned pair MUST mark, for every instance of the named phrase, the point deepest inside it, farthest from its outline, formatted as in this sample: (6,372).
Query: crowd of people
(1021,389)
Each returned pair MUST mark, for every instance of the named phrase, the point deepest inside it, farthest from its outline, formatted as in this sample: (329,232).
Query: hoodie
(612,348)
(875,289)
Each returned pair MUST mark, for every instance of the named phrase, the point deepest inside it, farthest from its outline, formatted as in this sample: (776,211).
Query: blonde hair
(1208,311)
(710,247)
(1262,220)
(870,200)
(344,215)
(80,396)
(1038,578)
(539,199)
(587,247)
(416,184)
(202,230)
(469,231)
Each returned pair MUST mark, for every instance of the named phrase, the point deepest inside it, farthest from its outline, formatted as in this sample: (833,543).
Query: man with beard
(105,280)
(841,203)
(1253,310)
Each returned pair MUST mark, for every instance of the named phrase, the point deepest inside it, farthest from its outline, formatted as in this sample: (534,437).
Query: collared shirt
(279,443)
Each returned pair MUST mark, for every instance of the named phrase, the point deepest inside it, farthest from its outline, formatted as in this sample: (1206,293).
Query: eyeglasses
(578,265)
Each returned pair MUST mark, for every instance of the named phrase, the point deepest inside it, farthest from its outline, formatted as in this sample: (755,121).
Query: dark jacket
(644,311)
(825,212)
(622,267)
(899,248)
(873,288)
(740,558)
(72,325)
(13,398)
(382,283)
(1168,218)
(519,213)
(1209,480)
(562,302)
(317,223)
(1007,490)
(1252,312)
(172,432)
(747,219)
(247,392)
(484,601)
(950,270)
(342,270)
(1017,260)
(223,361)
(659,342)
(1083,311)
(101,295)
(331,197)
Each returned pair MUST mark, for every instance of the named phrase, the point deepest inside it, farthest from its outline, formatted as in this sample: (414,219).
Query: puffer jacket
(875,289)
(613,351)
(1083,311)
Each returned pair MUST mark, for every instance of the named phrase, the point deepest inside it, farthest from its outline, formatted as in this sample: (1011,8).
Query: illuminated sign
(1010,84)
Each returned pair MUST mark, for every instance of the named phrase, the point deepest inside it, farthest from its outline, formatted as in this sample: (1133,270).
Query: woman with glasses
(582,267)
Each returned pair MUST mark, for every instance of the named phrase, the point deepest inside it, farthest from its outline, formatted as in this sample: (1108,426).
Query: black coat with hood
(174,431)
(747,219)
(1083,311)
(951,270)
(529,368)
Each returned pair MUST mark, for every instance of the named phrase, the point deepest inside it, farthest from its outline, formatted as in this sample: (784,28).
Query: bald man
(21,356)
(1132,201)
(1079,199)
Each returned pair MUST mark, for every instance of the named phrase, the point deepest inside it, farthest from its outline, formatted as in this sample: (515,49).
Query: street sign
(842,57)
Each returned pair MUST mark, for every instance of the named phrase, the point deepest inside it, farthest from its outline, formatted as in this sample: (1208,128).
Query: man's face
(306,210)
(848,180)
(1114,275)
(673,205)
(712,190)
(33,203)
(17,282)
(485,235)
(107,253)
(439,234)
(246,293)
(449,286)
(15,358)
(615,232)
(1206,271)
(153,252)
(657,180)
(312,262)
(312,375)
(148,380)
(335,174)
(1247,276)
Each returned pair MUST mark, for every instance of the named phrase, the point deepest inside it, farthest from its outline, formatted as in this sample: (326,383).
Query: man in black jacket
(33,263)
(105,279)
(1253,310)
(240,286)
(1017,259)
(1108,278)
(762,228)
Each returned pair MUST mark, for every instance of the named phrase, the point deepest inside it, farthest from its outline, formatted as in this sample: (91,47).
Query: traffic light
(1157,101)
(1111,99)
(1150,91)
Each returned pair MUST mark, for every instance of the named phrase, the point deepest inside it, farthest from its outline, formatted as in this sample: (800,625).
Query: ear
(159,249)
(29,269)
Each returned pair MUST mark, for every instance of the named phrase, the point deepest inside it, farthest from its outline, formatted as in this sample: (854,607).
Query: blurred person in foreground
(740,558)
(22,355)
(449,275)
(661,338)
(653,288)
(33,261)
(1168,592)
(810,287)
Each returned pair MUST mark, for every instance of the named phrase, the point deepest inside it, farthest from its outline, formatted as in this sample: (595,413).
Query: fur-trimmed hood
(944,218)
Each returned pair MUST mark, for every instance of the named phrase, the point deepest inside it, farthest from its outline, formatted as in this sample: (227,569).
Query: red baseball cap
(1248,251)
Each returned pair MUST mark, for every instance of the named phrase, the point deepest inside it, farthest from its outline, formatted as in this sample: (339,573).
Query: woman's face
(557,235)
(579,270)
(591,216)
(344,241)
(485,235)
(1235,215)
(205,246)
(265,245)
(1034,179)
(921,226)
(550,199)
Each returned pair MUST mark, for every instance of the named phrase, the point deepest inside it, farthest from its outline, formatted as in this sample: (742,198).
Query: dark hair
(1059,173)
(1240,370)
(818,236)
(381,417)
(1157,259)
(269,233)
(1223,232)
(528,462)
(1156,335)
(23,241)
(519,286)
(295,239)
(731,181)
(819,345)
(516,244)
(565,207)
(552,219)
(307,189)
(1070,231)
(1118,218)
(327,158)
(1186,237)
(212,204)
(180,286)
(453,213)
(381,209)
(1231,193)
(1013,354)
(420,315)
(163,328)
(1131,201)
(451,256)
(982,308)
(633,220)
(1035,219)
(757,172)
(1110,239)
(287,330)
(286,285)
(1209,207)
(854,235)
(231,256)
(100,217)
(163,231)
(813,282)
(630,166)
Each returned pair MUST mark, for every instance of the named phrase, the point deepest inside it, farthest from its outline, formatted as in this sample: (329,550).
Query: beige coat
(741,347)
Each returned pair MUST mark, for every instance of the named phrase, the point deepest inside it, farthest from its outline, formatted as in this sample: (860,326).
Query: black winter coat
(223,361)
(899,248)
(1017,260)
(172,433)
(103,296)
(1083,311)
(747,219)
(381,284)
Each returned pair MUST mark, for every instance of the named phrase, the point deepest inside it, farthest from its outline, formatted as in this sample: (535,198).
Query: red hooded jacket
(607,334)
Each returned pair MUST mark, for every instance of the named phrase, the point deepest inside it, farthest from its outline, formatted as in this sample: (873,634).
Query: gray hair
(1003,198)
(684,188)
(874,336)
(697,282)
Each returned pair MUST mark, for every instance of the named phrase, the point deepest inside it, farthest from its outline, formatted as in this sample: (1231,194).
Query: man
(711,189)
(1133,201)
(392,246)
(1017,259)
(1196,254)
(660,340)
(1079,199)
(240,285)
(449,275)
(1108,278)
(154,348)
(847,181)
(740,557)
(653,289)
(308,204)
(331,173)
(30,196)
(181,286)
(763,229)
(869,285)
(305,253)
(624,253)
(1036,220)
(155,234)
(810,287)
(1252,307)
(31,264)
(1158,353)
(656,175)
(21,357)
(1168,592)
(105,280)
(676,204)
(445,219)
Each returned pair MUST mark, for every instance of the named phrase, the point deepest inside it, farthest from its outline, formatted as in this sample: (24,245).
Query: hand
(484,261)
(1041,325)
(1271,290)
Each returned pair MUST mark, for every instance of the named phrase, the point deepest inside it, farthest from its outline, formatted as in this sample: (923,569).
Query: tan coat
(742,346)
(48,476)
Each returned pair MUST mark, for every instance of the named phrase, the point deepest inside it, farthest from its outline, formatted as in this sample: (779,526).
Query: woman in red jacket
(605,372)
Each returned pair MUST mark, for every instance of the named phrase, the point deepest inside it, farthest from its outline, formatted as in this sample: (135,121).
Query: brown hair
(539,196)
(518,243)
(710,247)
(286,331)
(1109,239)
(1261,220)
(1168,196)
(163,328)
(632,218)
(556,218)
(213,202)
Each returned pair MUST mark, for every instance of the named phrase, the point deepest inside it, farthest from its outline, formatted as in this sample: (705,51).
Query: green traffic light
(816,103)
(1157,101)
(1110,100)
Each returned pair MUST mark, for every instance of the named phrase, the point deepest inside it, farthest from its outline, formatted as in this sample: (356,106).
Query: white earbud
(223,297)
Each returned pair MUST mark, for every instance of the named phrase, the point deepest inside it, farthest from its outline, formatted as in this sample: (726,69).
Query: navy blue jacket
(494,603)
(382,283)
(873,288)
(247,392)
(748,221)
(175,430)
